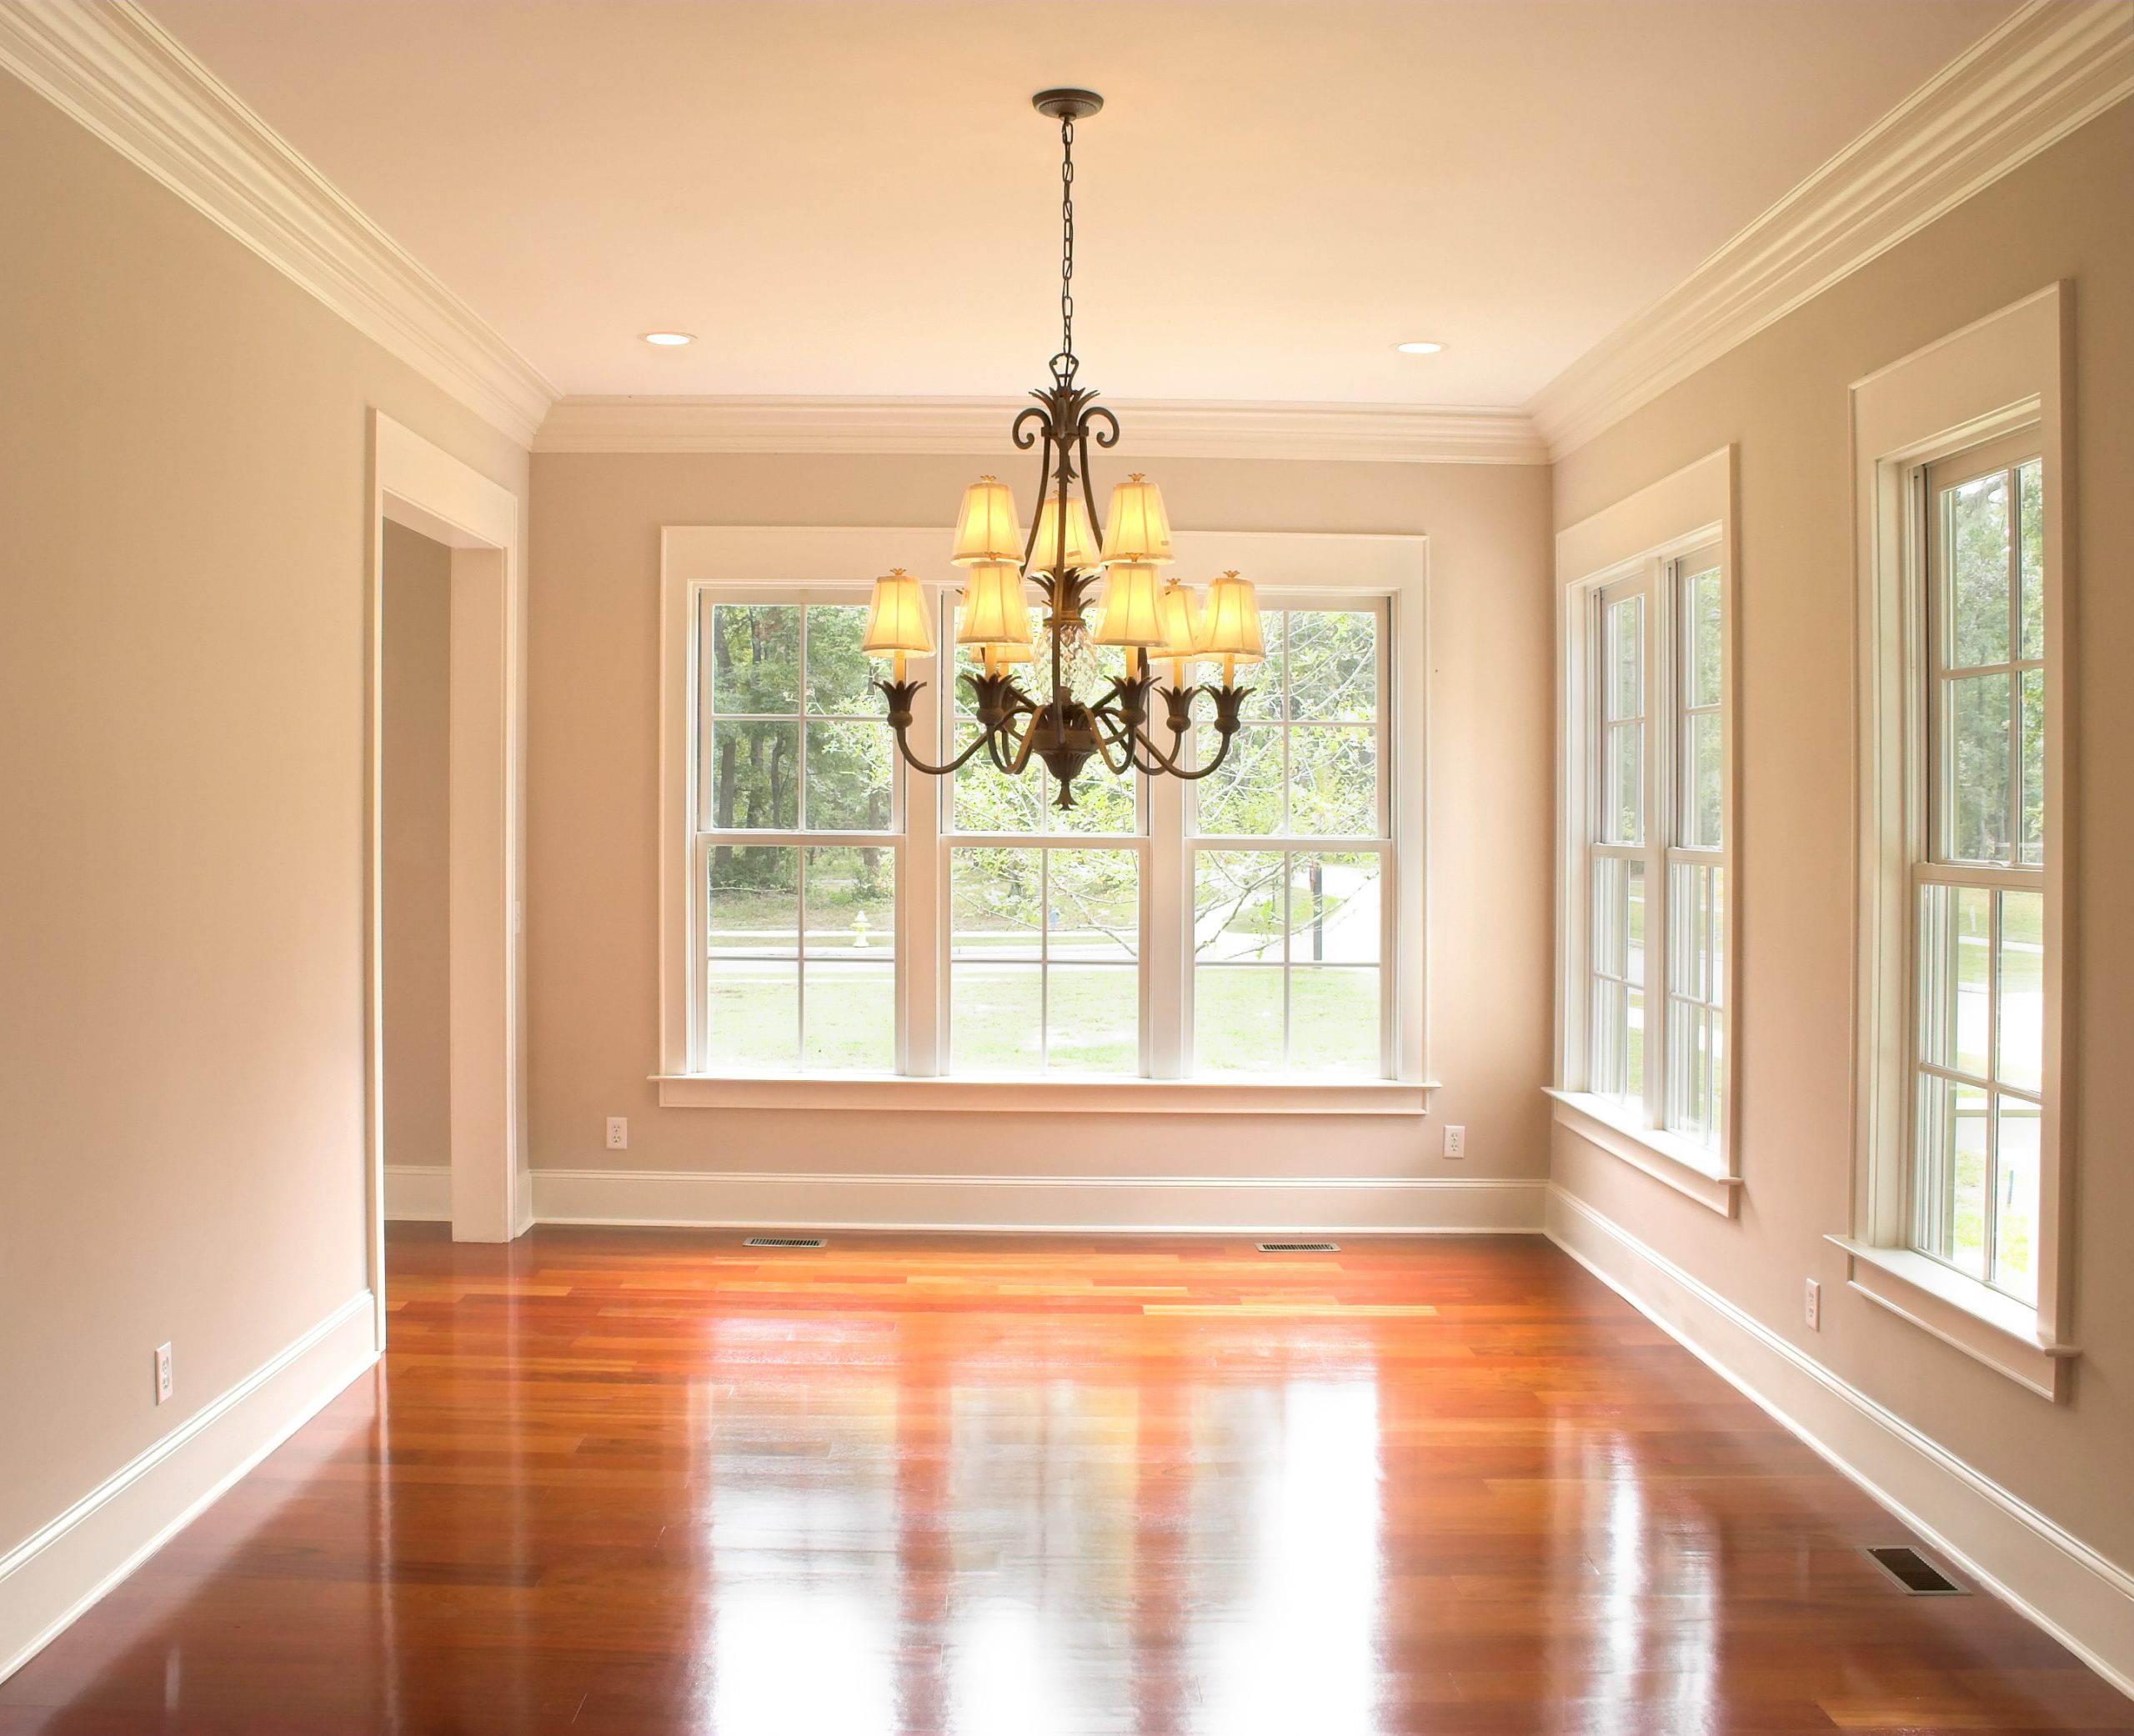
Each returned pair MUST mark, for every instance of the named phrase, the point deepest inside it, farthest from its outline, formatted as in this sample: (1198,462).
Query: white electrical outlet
(1815,1306)
(163,1373)
(1455,1142)
(619,1132)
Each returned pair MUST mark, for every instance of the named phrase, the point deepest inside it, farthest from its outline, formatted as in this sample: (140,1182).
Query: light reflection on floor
(1046,1514)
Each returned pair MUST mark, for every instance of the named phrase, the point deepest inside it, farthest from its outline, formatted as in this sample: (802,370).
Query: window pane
(1334,1021)
(1269,682)
(1103,801)
(1703,809)
(1095,1018)
(752,1012)
(2015,1207)
(2031,481)
(1624,659)
(1611,916)
(1702,637)
(849,777)
(1692,930)
(1608,1040)
(755,658)
(2021,1060)
(1333,665)
(1093,904)
(996,1018)
(754,901)
(994,903)
(1955,976)
(755,777)
(852,904)
(1622,802)
(987,799)
(1952,1172)
(1237,1019)
(2032,720)
(840,675)
(1693,1070)
(1978,774)
(1334,781)
(1244,798)
(1334,909)
(852,1014)
(1977,530)
(1237,905)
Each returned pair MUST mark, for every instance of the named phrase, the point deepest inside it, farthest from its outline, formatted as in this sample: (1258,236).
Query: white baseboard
(420,1194)
(777,1200)
(2084,1601)
(51,1577)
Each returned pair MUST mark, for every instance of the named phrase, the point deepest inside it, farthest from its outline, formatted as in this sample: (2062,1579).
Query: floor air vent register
(1299,1246)
(1915,1576)
(783,1241)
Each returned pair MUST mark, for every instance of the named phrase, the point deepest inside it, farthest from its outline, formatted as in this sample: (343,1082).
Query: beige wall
(183,487)
(593,818)
(415,750)
(1784,398)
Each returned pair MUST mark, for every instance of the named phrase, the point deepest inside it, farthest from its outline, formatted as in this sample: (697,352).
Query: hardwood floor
(653,1482)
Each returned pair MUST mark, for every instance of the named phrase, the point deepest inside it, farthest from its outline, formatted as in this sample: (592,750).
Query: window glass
(1978,991)
(1288,939)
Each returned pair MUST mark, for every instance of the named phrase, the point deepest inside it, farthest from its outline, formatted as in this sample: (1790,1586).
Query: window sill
(1995,1329)
(1046,1096)
(1669,1160)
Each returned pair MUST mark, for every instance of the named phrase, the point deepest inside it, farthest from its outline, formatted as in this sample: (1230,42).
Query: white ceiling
(856,199)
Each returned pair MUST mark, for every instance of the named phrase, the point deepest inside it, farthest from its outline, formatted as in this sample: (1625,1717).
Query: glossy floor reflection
(618,1481)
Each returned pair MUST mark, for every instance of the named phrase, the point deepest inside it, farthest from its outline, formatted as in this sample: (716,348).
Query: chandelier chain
(1067,244)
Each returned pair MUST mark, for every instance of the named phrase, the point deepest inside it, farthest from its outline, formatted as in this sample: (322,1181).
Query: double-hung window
(838,918)
(1979,975)
(1645,1002)
(1961,1157)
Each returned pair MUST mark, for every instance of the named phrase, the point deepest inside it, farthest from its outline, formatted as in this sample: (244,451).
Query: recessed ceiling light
(1420,347)
(667,340)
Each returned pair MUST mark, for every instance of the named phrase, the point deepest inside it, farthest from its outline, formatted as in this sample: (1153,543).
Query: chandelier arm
(1019,761)
(900,696)
(1135,742)
(1113,732)
(1005,736)
(1025,440)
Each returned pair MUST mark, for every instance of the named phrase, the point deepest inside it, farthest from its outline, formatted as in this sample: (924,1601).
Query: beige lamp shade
(993,611)
(986,531)
(1137,528)
(1130,616)
(1083,552)
(896,618)
(1229,624)
(1179,611)
(999,656)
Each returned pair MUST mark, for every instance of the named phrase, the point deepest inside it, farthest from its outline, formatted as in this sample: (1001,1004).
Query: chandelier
(1150,619)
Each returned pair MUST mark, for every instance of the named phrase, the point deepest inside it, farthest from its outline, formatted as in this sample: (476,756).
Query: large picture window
(850,918)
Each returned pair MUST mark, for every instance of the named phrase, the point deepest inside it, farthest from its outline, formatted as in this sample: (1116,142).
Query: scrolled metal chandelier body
(1064,558)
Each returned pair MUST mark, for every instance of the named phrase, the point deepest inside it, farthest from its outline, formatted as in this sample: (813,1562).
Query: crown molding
(2049,68)
(118,72)
(1387,433)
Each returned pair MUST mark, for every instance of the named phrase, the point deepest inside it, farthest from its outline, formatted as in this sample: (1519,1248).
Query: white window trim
(696,557)
(1992,377)
(1674,517)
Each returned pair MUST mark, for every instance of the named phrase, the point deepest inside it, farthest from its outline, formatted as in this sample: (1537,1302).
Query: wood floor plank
(636,1482)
